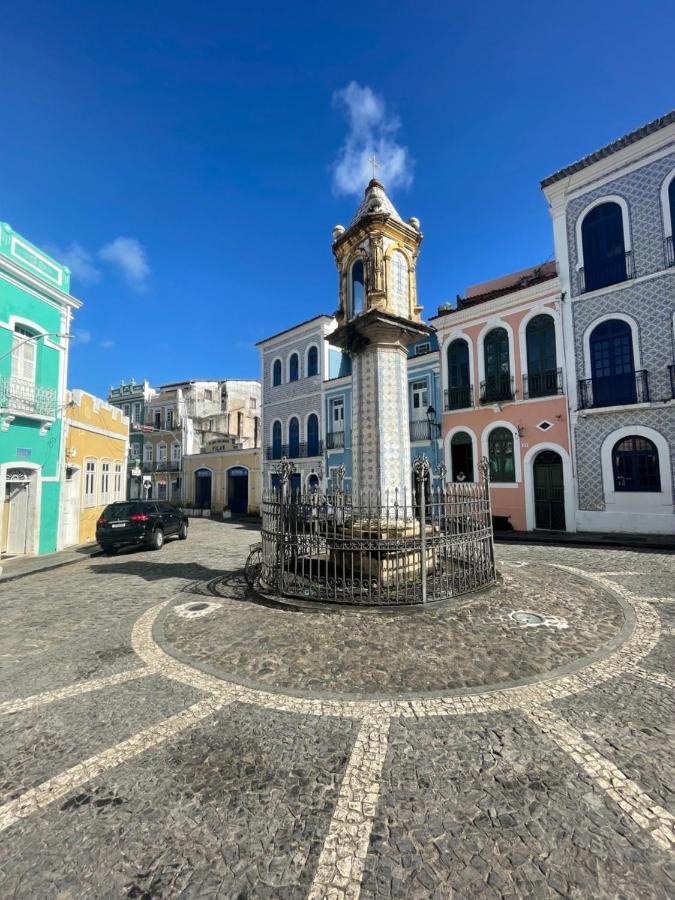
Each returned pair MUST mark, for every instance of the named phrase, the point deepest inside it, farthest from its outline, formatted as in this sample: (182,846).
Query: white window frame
(419,385)
(665,205)
(24,344)
(117,484)
(277,359)
(89,483)
(104,496)
(485,444)
(136,412)
(625,219)
(175,452)
(337,403)
(148,457)
(632,324)
(161,452)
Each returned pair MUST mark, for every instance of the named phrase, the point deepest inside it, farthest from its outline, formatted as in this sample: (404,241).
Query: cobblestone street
(242,749)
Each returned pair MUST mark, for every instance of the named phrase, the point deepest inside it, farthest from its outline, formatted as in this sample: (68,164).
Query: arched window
(276,372)
(612,364)
(357,288)
(459,376)
(604,248)
(312,362)
(399,288)
(502,460)
(497,384)
(542,370)
(276,441)
(294,367)
(293,438)
(461,454)
(313,448)
(670,240)
(635,464)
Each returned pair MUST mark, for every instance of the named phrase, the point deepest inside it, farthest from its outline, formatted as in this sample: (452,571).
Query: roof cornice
(18,273)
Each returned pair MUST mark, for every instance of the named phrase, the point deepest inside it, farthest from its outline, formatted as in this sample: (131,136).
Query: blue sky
(182,157)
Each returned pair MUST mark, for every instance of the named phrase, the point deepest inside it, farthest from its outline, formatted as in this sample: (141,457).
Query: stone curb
(4,579)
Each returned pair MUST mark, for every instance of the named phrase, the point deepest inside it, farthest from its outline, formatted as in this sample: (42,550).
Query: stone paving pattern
(175,783)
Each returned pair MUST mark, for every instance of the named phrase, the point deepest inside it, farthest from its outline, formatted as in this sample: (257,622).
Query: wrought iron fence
(497,388)
(614,390)
(612,270)
(335,440)
(295,451)
(424,430)
(542,384)
(20,396)
(368,549)
(458,397)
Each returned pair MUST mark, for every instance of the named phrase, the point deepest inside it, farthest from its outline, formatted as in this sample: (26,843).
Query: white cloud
(81,336)
(372,132)
(107,345)
(128,255)
(79,260)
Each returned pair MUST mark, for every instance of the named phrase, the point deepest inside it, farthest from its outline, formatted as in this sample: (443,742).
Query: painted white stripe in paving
(339,871)
(655,677)
(60,785)
(638,805)
(73,690)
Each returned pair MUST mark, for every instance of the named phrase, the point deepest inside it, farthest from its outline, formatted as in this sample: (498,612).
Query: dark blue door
(612,365)
(237,490)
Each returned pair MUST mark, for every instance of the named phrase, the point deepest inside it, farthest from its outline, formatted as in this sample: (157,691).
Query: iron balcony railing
(19,396)
(671,370)
(494,390)
(335,440)
(542,384)
(161,465)
(294,451)
(458,397)
(612,271)
(614,390)
(670,251)
(424,430)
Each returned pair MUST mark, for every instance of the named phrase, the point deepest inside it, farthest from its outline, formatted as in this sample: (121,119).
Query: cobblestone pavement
(245,750)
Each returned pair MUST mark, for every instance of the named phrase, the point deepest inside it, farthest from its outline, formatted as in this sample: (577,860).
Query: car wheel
(182,534)
(157,539)
(109,549)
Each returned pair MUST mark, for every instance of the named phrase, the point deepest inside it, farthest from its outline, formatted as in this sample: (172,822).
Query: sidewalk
(11,569)
(589,539)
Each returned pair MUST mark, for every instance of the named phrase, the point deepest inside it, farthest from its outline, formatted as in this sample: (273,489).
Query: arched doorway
(461,456)
(203,489)
(237,490)
(549,491)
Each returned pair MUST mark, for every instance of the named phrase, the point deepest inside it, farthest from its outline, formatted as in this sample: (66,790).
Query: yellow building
(96,444)
(224,481)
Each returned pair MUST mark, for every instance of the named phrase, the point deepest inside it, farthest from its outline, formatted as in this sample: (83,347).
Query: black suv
(146,522)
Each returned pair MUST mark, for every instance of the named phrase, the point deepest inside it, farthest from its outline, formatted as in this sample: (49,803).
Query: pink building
(503,375)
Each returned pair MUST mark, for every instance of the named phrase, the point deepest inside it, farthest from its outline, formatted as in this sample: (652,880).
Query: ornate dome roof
(375,201)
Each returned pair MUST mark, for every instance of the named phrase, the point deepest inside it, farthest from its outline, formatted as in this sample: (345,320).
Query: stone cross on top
(375,164)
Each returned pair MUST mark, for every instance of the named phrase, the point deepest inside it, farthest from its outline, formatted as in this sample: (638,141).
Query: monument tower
(378,318)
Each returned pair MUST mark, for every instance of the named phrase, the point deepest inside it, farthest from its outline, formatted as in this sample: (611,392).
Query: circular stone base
(476,644)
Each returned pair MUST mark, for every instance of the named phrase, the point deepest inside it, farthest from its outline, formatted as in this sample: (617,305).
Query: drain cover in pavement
(527,618)
(195,610)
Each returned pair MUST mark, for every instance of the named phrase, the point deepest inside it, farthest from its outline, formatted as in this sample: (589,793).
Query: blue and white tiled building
(613,215)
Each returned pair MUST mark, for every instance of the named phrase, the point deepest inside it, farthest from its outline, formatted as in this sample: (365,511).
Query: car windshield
(119,511)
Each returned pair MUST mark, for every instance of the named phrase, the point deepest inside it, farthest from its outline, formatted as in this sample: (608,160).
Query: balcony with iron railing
(161,465)
(614,390)
(669,251)
(612,271)
(671,372)
(542,384)
(424,430)
(294,451)
(458,397)
(335,440)
(497,390)
(19,397)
